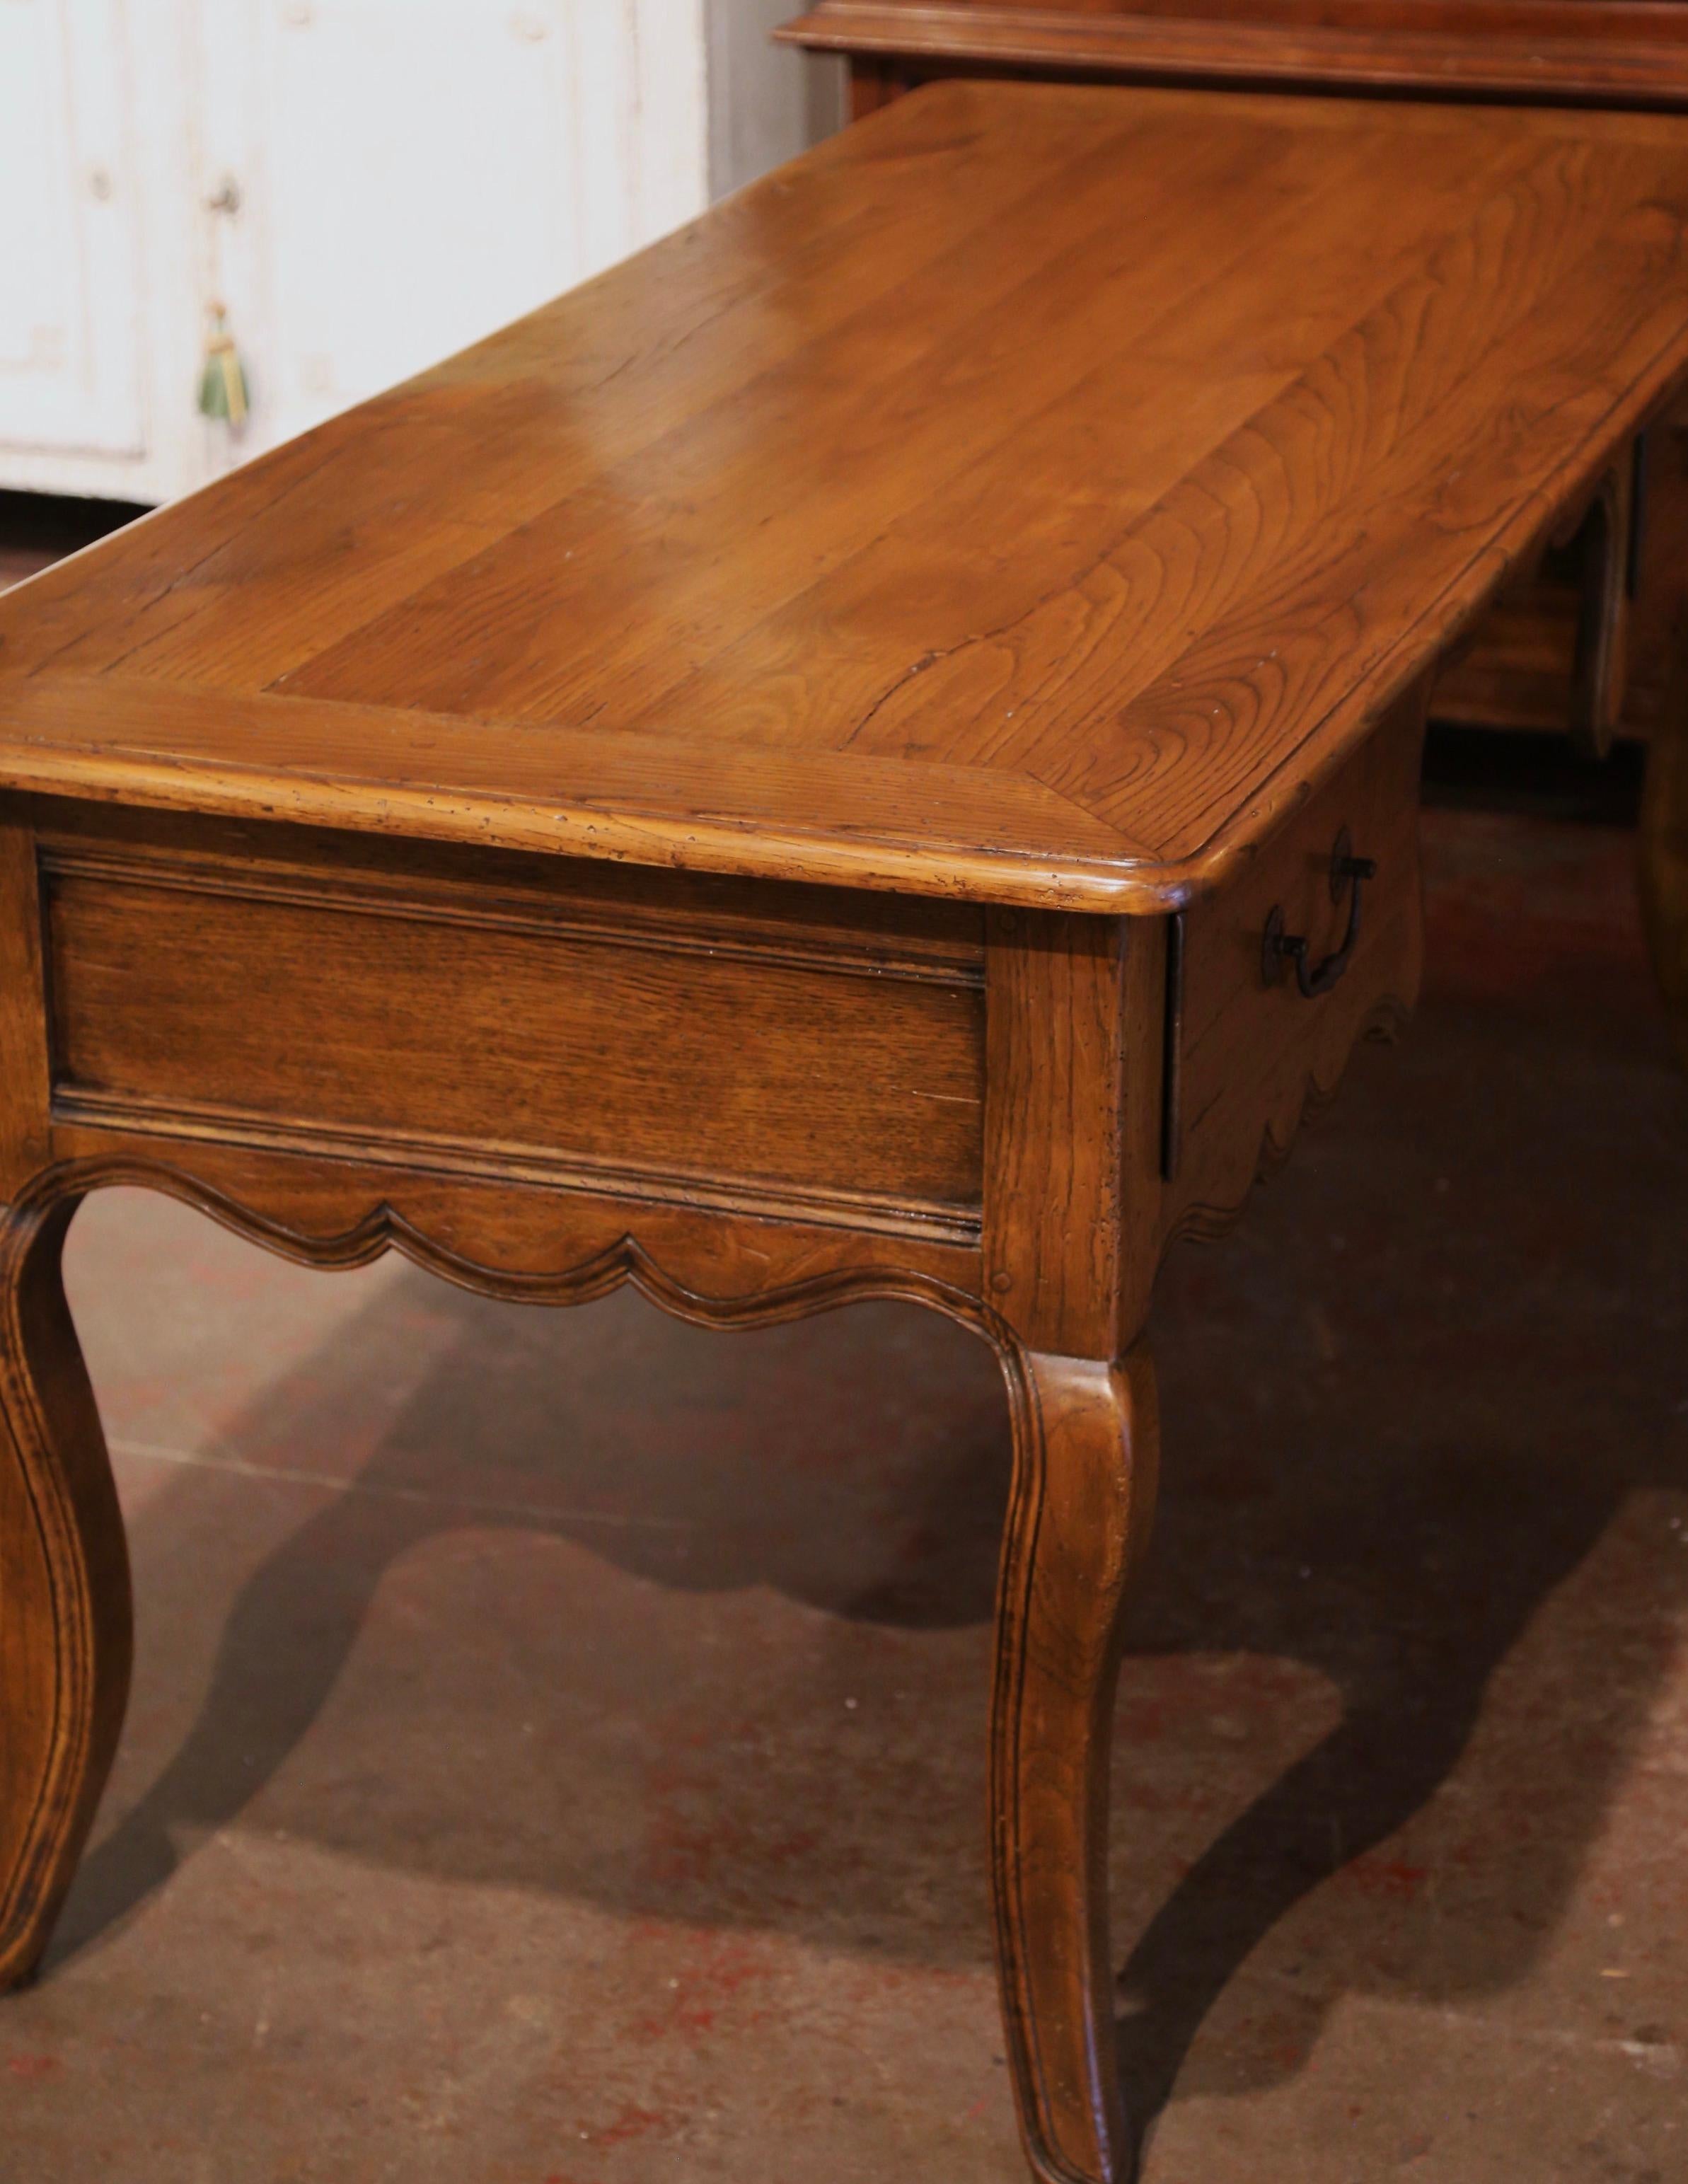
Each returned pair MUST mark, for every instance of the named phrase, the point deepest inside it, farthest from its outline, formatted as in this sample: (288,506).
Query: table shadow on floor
(1403,1407)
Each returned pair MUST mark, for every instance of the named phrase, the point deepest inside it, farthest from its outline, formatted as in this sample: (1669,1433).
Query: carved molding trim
(604,925)
(458,1158)
(381,1228)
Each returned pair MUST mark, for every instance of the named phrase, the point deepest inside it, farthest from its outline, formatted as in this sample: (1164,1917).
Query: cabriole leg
(1085,1456)
(64,1606)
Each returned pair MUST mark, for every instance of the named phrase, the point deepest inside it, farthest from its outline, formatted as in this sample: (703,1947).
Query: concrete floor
(556,1753)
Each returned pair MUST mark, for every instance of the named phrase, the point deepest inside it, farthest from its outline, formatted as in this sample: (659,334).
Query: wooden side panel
(1254,1057)
(463,1030)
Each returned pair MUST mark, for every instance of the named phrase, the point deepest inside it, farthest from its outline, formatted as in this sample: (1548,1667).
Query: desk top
(1027,496)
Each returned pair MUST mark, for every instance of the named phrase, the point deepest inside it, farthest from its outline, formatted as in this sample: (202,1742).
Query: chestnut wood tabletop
(871,751)
(1025,497)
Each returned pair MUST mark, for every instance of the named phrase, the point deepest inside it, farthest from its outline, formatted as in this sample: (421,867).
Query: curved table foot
(64,1606)
(1085,1454)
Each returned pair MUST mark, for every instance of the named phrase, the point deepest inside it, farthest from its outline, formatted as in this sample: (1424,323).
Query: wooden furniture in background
(1664,850)
(1580,640)
(858,755)
(1608,52)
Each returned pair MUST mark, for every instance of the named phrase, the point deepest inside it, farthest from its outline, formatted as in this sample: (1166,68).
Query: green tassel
(222,384)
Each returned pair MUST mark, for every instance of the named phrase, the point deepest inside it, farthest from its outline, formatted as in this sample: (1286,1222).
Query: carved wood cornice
(1553,50)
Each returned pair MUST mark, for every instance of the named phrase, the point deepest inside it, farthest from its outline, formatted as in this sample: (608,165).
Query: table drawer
(801,1068)
(1252,1051)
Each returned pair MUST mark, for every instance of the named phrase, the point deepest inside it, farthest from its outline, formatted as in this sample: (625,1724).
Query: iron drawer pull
(1280,947)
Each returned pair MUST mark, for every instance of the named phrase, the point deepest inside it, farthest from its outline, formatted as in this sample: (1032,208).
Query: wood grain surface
(1028,496)
(207,999)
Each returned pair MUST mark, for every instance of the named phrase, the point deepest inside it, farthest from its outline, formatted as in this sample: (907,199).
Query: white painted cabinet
(365,184)
(70,263)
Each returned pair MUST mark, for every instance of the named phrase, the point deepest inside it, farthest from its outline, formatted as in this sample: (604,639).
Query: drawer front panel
(452,1031)
(1253,1056)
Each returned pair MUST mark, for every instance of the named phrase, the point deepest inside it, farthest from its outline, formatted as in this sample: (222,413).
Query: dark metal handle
(1279,947)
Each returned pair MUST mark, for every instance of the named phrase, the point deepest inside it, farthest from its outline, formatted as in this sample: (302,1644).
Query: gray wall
(766,102)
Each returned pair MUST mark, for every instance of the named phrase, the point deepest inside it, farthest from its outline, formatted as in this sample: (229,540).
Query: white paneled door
(71,375)
(399,176)
(365,185)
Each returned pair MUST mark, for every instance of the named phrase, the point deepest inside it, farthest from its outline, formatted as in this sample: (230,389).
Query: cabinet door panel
(70,307)
(425,170)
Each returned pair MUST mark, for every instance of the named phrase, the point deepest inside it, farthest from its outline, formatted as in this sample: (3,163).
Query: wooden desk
(871,751)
